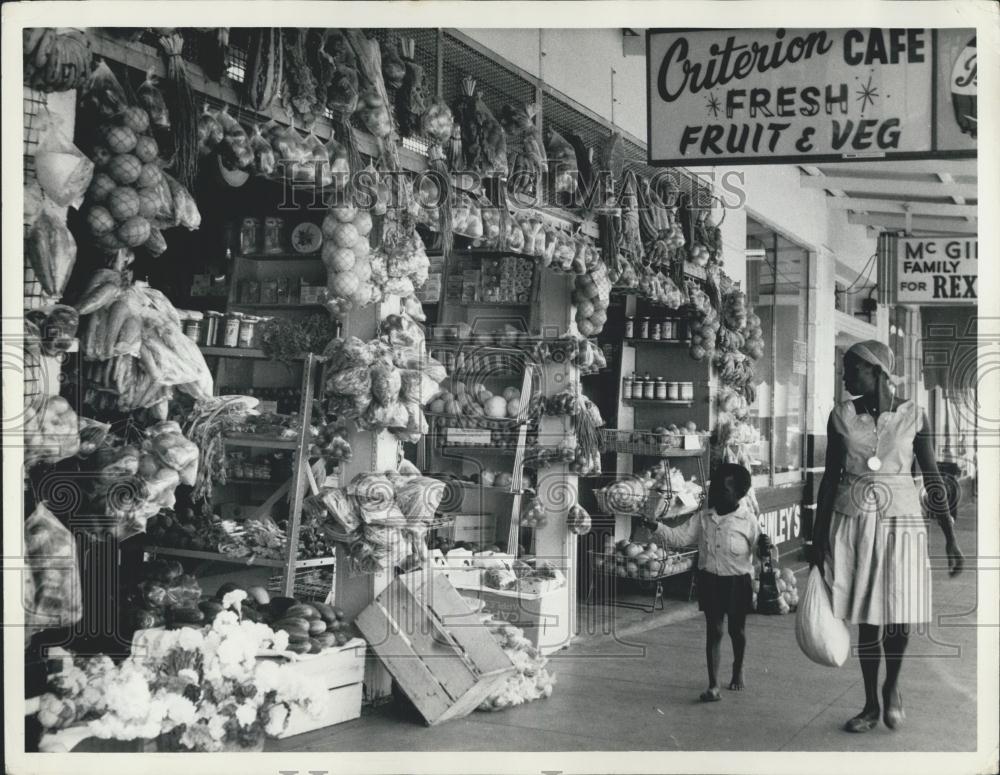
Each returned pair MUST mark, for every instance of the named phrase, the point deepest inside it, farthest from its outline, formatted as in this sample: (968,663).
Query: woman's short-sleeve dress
(877,562)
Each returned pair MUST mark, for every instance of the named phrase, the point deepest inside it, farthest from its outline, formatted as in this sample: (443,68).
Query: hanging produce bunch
(529,163)
(707,238)
(51,252)
(579,521)
(703,324)
(131,200)
(382,517)
(206,425)
(591,298)
(734,439)
(583,353)
(55,58)
(135,348)
(130,480)
(740,344)
(659,227)
(347,256)
(382,386)
(51,431)
(484,143)
(586,419)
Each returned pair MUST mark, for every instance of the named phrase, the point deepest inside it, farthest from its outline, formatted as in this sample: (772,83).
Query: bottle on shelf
(661,388)
(627,386)
(630,327)
(644,328)
(648,387)
(637,387)
(655,331)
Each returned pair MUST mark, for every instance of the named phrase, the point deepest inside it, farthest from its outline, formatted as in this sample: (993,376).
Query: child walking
(726,534)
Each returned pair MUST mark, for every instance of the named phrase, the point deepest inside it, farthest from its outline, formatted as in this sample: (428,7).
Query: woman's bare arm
(934,482)
(827,491)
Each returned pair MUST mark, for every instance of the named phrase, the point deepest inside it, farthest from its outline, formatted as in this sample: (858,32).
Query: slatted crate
(434,646)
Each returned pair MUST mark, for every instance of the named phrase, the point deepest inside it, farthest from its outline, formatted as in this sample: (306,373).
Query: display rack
(293,489)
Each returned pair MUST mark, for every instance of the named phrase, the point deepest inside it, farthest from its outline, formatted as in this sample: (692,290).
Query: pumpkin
(361,248)
(345,235)
(344,284)
(100,221)
(123,203)
(150,176)
(343,260)
(136,119)
(513,407)
(120,139)
(125,168)
(363,223)
(100,186)
(149,202)
(135,231)
(146,149)
(344,213)
(584,309)
(496,406)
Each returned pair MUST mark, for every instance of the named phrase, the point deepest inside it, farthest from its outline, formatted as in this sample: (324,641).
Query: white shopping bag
(822,637)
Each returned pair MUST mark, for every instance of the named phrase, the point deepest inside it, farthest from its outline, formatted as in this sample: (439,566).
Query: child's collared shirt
(725,542)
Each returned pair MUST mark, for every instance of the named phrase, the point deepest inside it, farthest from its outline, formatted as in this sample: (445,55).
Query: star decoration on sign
(712,105)
(867,94)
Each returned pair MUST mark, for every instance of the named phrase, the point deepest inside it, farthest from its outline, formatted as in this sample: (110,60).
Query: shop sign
(756,96)
(782,524)
(937,270)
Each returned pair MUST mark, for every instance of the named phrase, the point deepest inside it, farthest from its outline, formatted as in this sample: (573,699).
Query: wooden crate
(341,671)
(545,617)
(434,646)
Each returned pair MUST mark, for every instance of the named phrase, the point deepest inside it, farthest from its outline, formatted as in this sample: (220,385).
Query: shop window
(777,287)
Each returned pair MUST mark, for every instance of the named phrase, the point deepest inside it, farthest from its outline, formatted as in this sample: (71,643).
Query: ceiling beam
(862,205)
(919,223)
(810,169)
(901,188)
(957,167)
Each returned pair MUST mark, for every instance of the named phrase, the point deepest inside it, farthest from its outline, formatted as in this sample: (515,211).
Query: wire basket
(621,499)
(646,569)
(310,584)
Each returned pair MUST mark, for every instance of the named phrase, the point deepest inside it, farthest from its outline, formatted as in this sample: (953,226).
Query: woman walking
(870,538)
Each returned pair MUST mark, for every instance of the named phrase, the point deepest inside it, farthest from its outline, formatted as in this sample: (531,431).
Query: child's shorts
(731,595)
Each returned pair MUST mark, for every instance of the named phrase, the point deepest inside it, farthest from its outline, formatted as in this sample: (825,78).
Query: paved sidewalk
(638,691)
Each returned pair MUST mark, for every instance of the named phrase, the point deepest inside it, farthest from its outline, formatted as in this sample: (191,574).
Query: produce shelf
(480,422)
(465,485)
(663,402)
(633,342)
(247,481)
(242,352)
(631,442)
(266,562)
(259,440)
(242,305)
(282,256)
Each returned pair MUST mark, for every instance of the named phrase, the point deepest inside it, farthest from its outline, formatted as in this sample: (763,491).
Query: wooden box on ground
(340,670)
(434,646)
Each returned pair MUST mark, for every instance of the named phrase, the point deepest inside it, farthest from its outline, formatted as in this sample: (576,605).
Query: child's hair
(739,475)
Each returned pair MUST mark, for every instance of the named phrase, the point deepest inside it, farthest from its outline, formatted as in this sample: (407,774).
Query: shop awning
(937,196)
(948,338)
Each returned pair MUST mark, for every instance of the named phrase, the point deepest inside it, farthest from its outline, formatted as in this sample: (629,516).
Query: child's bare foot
(737,684)
(711,694)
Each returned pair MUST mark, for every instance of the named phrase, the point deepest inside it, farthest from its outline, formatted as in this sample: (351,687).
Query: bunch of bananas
(55,58)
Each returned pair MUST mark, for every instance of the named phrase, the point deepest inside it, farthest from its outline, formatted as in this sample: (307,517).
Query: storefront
(406,326)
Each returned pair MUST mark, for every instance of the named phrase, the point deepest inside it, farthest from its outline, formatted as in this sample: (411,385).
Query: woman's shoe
(893,715)
(865,721)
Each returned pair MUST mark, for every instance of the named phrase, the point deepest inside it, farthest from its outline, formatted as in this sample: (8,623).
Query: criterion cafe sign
(787,95)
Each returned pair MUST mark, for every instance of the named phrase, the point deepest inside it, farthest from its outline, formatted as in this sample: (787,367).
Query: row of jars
(656,388)
(667,329)
(262,235)
(218,329)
